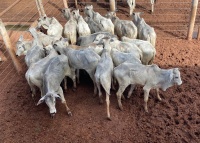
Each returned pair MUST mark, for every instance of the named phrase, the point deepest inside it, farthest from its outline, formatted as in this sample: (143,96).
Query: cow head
(50,100)
(60,45)
(44,22)
(136,17)
(75,14)
(177,77)
(106,43)
(66,12)
(88,10)
(20,46)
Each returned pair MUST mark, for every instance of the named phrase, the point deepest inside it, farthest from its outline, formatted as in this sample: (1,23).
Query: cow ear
(41,100)
(45,26)
(91,6)
(63,10)
(21,38)
(175,70)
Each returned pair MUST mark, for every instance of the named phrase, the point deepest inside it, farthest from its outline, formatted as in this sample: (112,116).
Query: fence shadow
(168,32)
(55,5)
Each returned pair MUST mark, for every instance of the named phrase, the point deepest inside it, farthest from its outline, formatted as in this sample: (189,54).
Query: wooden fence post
(112,5)
(9,47)
(38,7)
(41,7)
(65,3)
(192,19)
(198,34)
(76,4)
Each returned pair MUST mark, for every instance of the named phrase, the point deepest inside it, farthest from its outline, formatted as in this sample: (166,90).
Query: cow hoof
(109,119)
(69,113)
(74,89)
(121,108)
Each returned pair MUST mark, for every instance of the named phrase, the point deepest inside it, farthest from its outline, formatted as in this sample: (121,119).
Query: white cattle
(55,72)
(66,13)
(145,32)
(87,40)
(70,31)
(105,24)
(82,27)
(51,24)
(23,46)
(149,76)
(34,54)
(85,59)
(44,39)
(94,27)
(104,74)
(35,72)
(148,51)
(123,27)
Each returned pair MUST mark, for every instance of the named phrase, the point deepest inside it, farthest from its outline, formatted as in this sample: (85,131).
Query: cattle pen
(175,119)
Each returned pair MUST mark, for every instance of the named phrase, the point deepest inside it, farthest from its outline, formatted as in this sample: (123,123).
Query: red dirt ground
(175,119)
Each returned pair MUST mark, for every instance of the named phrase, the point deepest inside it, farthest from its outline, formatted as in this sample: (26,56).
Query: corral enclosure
(175,119)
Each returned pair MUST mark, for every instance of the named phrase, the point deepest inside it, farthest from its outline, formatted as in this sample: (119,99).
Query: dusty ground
(175,119)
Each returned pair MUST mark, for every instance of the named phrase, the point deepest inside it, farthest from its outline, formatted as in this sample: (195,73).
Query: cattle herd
(114,52)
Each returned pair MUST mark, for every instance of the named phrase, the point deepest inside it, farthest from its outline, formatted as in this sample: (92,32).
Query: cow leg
(146,97)
(112,82)
(65,83)
(60,92)
(119,95)
(33,92)
(131,90)
(158,95)
(108,106)
(78,76)
(100,93)
(73,77)
(95,88)
(41,91)
(91,74)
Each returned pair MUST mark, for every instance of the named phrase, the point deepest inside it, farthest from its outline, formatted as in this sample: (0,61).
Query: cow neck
(166,77)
